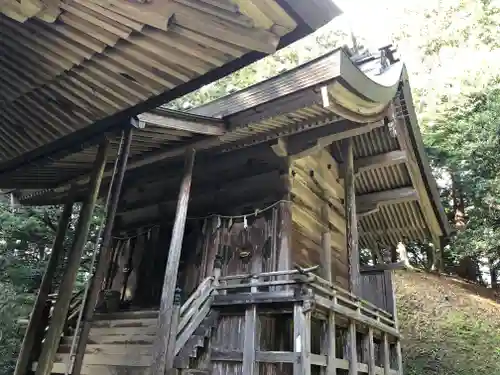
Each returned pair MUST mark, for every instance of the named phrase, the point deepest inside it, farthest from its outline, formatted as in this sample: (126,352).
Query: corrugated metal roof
(101,57)
(279,116)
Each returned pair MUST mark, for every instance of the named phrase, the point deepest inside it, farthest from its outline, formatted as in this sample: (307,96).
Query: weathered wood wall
(248,245)
(377,288)
(317,193)
(243,245)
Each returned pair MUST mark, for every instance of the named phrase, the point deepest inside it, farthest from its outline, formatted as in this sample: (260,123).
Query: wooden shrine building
(233,231)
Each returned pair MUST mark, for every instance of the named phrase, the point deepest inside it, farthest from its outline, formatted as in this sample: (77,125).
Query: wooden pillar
(302,340)
(104,254)
(160,348)
(326,255)
(392,306)
(387,354)
(170,355)
(353,352)
(328,345)
(56,327)
(351,218)
(284,227)
(370,351)
(28,344)
(250,344)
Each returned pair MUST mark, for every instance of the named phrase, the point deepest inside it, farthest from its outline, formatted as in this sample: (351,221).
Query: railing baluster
(399,355)
(302,339)
(331,368)
(353,353)
(387,353)
(370,352)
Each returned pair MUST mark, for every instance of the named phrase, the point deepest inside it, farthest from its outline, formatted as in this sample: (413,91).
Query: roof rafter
(378,161)
(371,202)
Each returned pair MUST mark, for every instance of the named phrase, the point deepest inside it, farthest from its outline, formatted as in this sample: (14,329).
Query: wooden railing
(193,311)
(323,291)
(349,323)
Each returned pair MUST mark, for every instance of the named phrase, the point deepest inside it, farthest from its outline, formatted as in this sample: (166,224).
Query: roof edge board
(422,160)
(319,71)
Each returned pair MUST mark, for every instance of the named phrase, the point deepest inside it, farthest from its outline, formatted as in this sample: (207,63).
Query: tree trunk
(430,252)
(403,254)
(493,273)
(468,269)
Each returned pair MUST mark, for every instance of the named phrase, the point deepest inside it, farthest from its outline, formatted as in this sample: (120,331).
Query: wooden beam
(351,202)
(313,141)
(22,365)
(105,252)
(373,201)
(204,192)
(160,348)
(61,306)
(383,267)
(378,161)
(280,147)
(198,126)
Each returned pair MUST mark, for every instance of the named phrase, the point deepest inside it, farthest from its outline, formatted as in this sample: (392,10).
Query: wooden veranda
(264,199)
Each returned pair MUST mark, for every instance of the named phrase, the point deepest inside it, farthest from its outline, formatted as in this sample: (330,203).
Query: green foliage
(26,237)
(449,327)
(12,306)
(465,145)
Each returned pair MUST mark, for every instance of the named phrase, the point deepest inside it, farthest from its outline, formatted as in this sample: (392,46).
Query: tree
(465,145)
(26,237)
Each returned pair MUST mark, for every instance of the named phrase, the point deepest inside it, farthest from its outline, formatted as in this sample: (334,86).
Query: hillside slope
(450,327)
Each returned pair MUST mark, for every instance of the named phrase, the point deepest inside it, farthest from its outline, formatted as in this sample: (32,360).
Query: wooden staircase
(197,341)
(122,342)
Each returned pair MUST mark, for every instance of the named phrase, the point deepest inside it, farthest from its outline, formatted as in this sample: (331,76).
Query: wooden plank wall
(377,288)
(244,245)
(317,191)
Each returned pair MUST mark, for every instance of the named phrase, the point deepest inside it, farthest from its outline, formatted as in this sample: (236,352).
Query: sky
(366,18)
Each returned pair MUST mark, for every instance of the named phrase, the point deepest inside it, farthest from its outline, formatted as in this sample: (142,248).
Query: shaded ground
(450,327)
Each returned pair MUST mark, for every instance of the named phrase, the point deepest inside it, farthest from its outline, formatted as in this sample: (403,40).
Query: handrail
(306,276)
(208,281)
(193,311)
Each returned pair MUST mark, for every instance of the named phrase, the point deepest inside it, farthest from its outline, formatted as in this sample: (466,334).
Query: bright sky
(367,18)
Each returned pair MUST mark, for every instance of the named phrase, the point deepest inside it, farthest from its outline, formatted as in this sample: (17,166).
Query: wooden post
(250,344)
(370,352)
(391,302)
(326,255)
(61,306)
(45,288)
(170,355)
(302,340)
(160,347)
(331,368)
(104,254)
(284,232)
(387,354)
(353,353)
(351,218)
